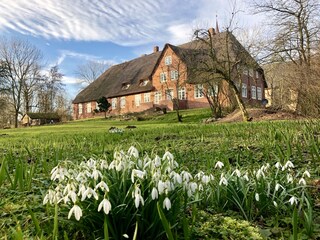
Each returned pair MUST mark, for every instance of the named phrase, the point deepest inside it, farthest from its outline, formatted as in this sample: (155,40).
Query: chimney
(155,49)
(211,31)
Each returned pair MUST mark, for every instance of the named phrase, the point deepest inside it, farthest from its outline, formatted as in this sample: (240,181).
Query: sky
(71,32)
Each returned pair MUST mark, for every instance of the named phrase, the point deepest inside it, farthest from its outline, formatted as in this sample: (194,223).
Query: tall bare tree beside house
(91,70)
(222,59)
(20,59)
(296,27)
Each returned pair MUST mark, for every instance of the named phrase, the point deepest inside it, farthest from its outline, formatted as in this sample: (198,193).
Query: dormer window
(125,86)
(167,60)
(144,82)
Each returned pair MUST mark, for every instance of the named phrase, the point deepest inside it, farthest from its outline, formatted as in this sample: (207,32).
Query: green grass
(27,155)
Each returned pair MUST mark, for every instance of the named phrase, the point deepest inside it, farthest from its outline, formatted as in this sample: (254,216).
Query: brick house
(158,79)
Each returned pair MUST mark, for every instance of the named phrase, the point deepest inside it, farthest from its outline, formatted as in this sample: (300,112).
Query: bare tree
(296,27)
(49,90)
(91,70)
(20,59)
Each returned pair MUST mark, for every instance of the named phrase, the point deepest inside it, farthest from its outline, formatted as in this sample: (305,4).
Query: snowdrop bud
(167,203)
(219,165)
(278,165)
(154,193)
(257,197)
(275,203)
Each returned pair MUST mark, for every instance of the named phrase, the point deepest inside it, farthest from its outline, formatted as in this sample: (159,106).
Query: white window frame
(122,102)
(198,91)
(89,109)
(114,102)
(253,92)
(169,94)
(174,74)
(163,77)
(137,99)
(182,93)
(213,93)
(80,109)
(157,97)
(147,97)
(244,90)
(259,93)
(168,60)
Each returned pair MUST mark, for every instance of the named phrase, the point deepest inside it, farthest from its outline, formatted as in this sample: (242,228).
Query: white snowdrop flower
(137,173)
(200,187)
(88,193)
(219,165)
(112,165)
(133,152)
(257,197)
(91,163)
(260,174)
(289,178)
(278,165)
(157,161)
(275,203)
(302,182)
(193,186)
(186,176)
(288,165)
(167,156)
(137,197)
(76,210)
(161,187)
(96,174)
(278,186)
(154,193)
(82,189)
(245,177)
(167,203)
(293,200)
(106,205)
(306,174)
(104,164)
(103,186)
(223,181)
(177,178)
(236,172)
(73,196)
(199,175)
(125,235)
(205,179)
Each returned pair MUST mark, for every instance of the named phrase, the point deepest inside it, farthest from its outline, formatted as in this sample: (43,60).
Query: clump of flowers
(128,182)
(115,130)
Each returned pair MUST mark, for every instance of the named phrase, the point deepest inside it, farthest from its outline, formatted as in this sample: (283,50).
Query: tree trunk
(16,114)
(245,114)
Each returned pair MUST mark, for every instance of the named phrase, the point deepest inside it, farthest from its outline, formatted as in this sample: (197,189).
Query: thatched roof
(122,79)
(125,78)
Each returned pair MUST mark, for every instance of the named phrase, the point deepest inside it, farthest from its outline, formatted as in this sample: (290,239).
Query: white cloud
(121,21)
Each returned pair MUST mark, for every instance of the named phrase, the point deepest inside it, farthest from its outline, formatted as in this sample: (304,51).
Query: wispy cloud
(121,21)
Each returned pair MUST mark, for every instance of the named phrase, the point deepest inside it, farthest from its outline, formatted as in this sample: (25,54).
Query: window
(125,86)
(182,93)
(174,74)
(169,94)
(167,60)
(213,90)
(256,74)
(253,92)
(163,77)
(80,108)
(89,107)
(143,82)
(157,97)
(259,93)
(244,90)
(123,102)
(137,99)
(198,91)
(114,103)
(147,97)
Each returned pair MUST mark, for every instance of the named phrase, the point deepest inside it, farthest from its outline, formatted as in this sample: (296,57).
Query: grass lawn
(27,156)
